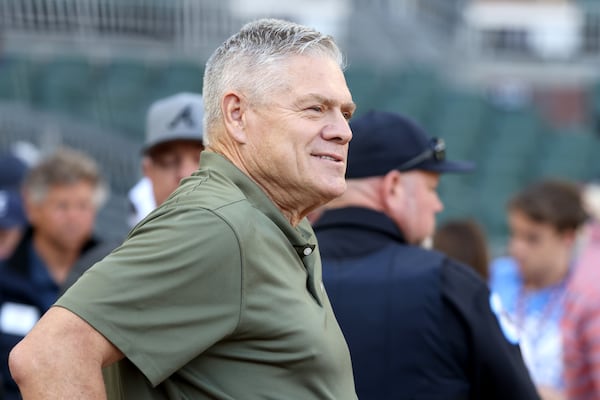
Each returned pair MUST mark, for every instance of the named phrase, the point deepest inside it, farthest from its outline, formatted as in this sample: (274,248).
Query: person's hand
(549,393)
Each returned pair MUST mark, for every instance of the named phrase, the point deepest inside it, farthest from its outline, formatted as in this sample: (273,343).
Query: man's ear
(392,189)
(234,108)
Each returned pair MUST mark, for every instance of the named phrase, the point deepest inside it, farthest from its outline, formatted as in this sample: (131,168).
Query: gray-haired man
(218,293)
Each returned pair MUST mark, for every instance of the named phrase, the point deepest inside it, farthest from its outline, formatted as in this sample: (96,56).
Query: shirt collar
(301,236)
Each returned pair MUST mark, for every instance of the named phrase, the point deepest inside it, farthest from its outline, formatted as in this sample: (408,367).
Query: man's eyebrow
(325,100)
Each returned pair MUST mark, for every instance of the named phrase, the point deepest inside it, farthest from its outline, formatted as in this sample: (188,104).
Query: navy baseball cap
(384,141)
(11,210)
(12,171)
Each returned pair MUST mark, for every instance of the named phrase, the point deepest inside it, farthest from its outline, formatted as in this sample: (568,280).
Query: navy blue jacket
(20,297)
(418,324)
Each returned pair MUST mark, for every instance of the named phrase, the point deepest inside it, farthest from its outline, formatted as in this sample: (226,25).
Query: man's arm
(62,358)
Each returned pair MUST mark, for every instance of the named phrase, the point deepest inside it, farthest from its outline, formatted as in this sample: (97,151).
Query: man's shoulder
(461,284)
(207,198)
(405,260)
(208,189)
(433,256)
(421,258)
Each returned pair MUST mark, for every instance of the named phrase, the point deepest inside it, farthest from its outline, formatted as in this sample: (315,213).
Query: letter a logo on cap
(184,116)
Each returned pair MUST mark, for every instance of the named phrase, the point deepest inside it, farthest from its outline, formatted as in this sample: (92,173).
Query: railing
(190,27)
(193,28)
(118,157)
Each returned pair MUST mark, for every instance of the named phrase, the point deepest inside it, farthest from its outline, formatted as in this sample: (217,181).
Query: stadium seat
(14,79)
(460,119)
(568,155)
(411,92)
(364,85)
(63,85)
(124,91)
(178,77)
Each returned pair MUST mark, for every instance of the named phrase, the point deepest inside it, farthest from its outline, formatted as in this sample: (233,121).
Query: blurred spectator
(61,196)
(581,322)
(418,324)
(12,216)
(544,220)
(171,152)
(465,241)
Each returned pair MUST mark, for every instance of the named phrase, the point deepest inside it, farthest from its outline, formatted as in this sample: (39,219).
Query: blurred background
(513,85)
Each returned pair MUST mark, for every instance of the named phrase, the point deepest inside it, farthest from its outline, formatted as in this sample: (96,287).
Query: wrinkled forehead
(309,75)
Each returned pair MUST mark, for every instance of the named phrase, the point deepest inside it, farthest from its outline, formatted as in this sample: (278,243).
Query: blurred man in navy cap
(12,216)
(418,324)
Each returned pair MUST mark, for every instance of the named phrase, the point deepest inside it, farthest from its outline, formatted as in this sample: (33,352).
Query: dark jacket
(418,325)
(22,302)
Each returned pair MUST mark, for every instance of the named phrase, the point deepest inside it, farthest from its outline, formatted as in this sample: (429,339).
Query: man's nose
(338,129)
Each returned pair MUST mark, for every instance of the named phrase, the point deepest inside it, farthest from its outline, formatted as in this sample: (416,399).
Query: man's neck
(548,279)
(58,260)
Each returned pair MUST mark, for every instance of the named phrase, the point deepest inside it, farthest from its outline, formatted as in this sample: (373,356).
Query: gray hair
(248,61)
(64,167)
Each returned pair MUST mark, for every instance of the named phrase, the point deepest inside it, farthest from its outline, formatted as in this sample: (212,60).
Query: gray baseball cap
(177,117)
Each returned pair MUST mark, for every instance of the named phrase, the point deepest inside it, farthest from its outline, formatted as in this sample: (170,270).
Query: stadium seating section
(510,146)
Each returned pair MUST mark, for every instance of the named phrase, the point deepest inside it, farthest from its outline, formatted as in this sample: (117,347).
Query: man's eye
(316,108)
(347,115)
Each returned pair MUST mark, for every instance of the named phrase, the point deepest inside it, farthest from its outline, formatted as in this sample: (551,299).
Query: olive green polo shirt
(216,296)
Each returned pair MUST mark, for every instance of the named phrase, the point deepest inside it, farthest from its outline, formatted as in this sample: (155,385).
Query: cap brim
(447,166)
(191,138)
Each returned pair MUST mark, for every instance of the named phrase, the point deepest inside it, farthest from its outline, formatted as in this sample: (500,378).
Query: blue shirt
(536,316)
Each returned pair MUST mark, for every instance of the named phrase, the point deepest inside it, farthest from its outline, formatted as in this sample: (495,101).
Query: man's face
(298,138)
(168,164)
(418,204)
(64,219)
(538,248)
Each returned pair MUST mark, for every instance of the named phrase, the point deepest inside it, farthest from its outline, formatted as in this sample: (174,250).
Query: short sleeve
(168,293)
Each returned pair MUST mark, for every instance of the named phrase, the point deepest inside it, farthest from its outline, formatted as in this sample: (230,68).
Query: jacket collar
(355,230)
(19,261)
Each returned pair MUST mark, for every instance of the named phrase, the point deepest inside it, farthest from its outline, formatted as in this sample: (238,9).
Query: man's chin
(337,189)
